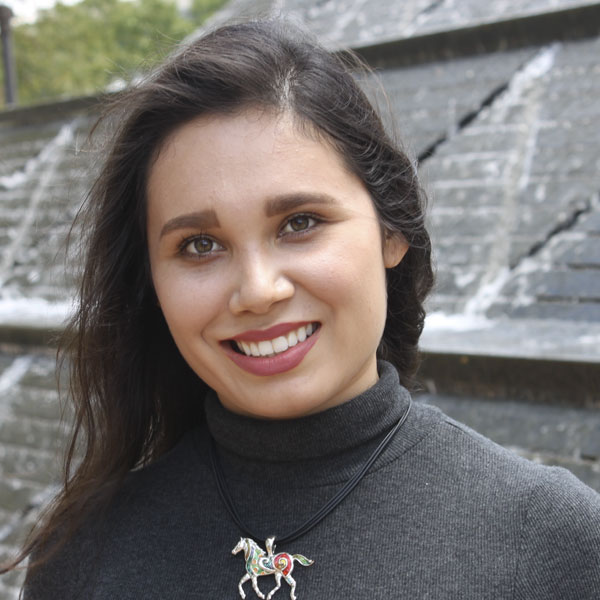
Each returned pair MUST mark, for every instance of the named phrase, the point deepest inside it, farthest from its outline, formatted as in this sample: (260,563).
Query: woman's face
(268,263)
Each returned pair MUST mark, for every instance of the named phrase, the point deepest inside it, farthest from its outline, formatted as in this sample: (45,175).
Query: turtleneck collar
(354,423)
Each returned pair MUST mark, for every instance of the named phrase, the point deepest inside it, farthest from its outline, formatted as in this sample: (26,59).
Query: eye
(199,245)
(299,223)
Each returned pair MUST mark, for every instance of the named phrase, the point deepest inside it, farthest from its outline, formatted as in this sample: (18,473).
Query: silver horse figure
(259,563)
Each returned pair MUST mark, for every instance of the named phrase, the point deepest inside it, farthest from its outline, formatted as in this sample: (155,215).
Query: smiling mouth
(268,348)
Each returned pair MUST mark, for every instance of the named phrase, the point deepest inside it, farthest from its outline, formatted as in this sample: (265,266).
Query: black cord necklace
(258,562)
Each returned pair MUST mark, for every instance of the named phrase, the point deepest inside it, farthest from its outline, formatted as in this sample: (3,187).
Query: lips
(275,345)
(272,357)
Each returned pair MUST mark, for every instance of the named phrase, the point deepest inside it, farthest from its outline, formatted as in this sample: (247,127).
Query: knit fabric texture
(443,514)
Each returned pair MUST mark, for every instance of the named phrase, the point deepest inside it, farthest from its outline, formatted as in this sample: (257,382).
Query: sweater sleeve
(560,545)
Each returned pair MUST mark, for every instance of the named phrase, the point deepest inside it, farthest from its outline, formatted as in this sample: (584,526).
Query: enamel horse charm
(259,563)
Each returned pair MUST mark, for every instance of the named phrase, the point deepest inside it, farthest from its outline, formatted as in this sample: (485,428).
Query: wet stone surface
(429,101)
(361,23)
(38,200)
(31,439)
(530,158)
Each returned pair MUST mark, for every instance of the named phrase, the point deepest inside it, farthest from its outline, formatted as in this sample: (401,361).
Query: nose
(261,284)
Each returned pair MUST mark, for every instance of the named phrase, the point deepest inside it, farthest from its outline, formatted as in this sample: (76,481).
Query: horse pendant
(259,563)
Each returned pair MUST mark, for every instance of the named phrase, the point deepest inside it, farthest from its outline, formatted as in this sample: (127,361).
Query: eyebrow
(203,219)
(206,219)
(282,204)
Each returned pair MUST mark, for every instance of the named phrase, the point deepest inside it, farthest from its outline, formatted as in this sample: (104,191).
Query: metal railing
(10,80)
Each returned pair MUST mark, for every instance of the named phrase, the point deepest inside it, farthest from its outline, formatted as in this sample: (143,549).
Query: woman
(249,318)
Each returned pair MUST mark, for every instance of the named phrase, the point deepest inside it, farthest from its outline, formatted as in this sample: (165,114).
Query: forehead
(225,135)
(254,153)
(228,137)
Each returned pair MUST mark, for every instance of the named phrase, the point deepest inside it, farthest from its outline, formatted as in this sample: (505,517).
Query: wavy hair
(133,393)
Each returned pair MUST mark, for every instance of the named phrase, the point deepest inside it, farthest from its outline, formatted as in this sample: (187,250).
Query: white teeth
(265,348)
(292,339)
(279,344)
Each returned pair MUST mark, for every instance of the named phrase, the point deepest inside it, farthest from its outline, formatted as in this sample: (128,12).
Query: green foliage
(202,9)
(81,49)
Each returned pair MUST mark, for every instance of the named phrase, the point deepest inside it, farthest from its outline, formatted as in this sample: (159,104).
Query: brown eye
(299,223)
(201,246)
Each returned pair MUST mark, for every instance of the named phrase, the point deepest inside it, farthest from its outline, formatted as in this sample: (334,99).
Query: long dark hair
(133,393)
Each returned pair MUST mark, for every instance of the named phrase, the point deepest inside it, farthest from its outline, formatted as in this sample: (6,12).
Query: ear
(394,249)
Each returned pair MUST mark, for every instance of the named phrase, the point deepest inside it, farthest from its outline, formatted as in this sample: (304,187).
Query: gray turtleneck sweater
(443,514)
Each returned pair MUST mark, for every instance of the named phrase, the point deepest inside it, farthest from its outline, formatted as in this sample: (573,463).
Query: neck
(355,423)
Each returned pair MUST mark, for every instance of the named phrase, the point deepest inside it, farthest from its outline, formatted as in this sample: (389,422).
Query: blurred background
(66,50)
(496,101)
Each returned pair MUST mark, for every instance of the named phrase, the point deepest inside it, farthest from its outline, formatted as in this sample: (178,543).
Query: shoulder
(460,455)
(554,517)
(463,452)
(141,508)
(168,472)
(178,478)
(560,544)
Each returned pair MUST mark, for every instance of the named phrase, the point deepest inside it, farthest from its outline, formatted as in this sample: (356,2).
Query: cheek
(187,301)
(349,275)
